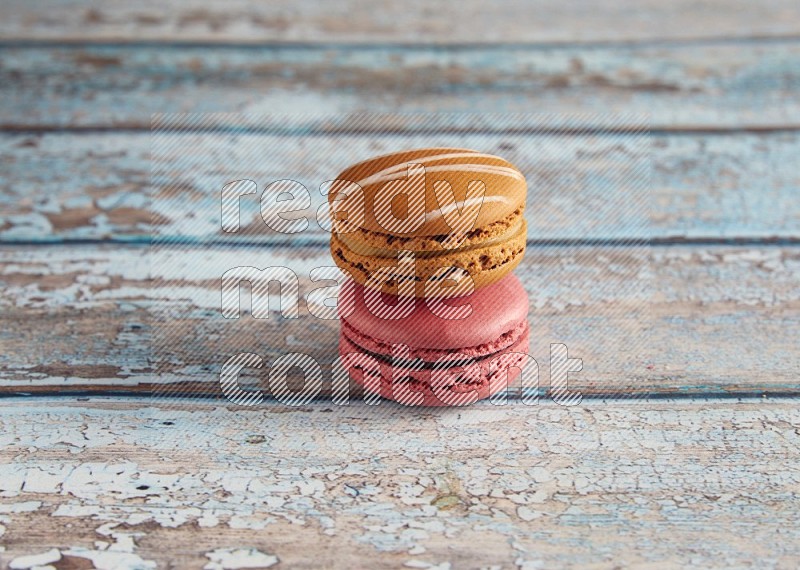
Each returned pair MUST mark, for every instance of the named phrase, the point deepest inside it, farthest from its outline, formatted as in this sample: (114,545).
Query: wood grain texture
(715,85)
(650,478)
(661,484)
(469,21)
(645,321)
(66,186)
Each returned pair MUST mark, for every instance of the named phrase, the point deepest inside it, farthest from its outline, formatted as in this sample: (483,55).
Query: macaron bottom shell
(457,384)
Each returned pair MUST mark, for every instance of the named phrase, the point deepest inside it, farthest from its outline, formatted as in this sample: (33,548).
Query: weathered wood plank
(717,85)
(669,320)
(471,21)
(664,484)
(63,186)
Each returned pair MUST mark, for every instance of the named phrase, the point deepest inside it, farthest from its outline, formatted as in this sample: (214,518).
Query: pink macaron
(434,352)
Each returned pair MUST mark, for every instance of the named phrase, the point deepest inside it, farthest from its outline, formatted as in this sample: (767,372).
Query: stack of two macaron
(432,314)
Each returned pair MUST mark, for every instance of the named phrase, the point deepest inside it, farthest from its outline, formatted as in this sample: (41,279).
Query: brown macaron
(453,211)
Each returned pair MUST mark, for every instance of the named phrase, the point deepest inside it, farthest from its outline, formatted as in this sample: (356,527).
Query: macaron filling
(455,356)
(361,248)
(457,380)
(383,240)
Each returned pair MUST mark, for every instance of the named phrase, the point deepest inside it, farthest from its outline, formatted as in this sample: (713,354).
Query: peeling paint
(737,303)
(233,558)
(620,468)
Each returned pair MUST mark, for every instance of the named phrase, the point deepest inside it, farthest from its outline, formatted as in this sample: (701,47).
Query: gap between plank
(404,46)
(763,395)
(321,241)
(134,128)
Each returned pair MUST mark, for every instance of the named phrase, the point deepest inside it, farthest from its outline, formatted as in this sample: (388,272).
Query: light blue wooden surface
(723,108)
(410,23)
(707,85)
(718,167)
(618,484)
(701,473)
(688,320)
(95,186)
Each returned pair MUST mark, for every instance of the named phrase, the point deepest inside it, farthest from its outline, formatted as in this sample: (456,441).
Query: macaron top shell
(496,309)
(504,192)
